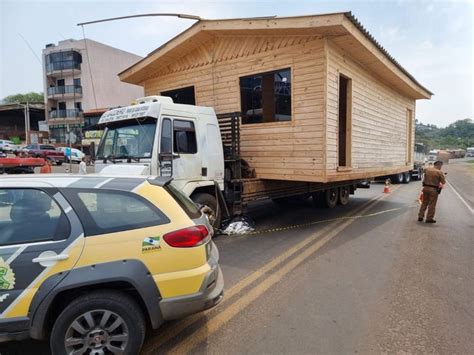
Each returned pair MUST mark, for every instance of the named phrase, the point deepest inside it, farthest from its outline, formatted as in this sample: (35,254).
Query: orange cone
(386,188)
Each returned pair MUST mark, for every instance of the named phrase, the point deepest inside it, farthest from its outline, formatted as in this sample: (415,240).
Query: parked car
(90,261)
(470,152)
(73,154)
(7,146)
(45,151)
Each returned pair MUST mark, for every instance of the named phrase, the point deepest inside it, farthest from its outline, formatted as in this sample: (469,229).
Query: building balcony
(62,114)
(63,67)
(66,91)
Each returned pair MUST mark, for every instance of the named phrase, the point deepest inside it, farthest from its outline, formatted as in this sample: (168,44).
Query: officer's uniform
(431,183)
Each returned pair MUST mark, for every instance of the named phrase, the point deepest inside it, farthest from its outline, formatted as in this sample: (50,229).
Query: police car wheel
(99,322)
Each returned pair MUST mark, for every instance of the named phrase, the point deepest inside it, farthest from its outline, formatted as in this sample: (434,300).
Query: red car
(45,151)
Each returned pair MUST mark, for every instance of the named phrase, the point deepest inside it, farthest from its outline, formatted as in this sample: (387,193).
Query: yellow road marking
(229,312)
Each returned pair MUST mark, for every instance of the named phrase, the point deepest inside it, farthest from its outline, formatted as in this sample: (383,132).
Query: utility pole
(26,108)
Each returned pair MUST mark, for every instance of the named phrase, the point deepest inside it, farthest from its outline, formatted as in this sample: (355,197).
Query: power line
(183,16)
(89,65)
(36,56)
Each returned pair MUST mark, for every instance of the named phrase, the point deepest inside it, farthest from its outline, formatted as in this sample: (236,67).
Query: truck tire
(406,177)
(103,321)
(59,163)
(209,207)
(330,197)
(420,174)
(397,178)
(344,193)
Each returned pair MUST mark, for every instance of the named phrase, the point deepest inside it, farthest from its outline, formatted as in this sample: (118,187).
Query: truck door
(179,155)
(40,236)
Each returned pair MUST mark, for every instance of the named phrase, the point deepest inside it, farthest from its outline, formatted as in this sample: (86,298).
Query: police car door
(40,238)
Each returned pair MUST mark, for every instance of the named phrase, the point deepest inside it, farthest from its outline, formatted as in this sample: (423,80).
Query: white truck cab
(159,137)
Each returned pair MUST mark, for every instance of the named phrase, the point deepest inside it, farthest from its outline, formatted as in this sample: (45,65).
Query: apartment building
(81,76)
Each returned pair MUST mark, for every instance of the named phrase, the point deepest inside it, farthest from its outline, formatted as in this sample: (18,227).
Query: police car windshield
(133,140)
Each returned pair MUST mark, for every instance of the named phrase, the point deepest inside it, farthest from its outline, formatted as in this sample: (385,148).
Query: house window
(181,96)
(77,82)
(266,97)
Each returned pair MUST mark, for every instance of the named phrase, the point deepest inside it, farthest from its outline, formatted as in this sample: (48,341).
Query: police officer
(432,183)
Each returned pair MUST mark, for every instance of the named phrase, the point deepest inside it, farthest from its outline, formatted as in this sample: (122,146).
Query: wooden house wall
(280,150)
(379,121)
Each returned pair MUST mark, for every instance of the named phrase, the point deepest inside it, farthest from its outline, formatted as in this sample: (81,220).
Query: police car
(88,261)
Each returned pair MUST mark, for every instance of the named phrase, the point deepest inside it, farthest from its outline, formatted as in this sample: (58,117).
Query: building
(320,99)
(22,122)
(81,75)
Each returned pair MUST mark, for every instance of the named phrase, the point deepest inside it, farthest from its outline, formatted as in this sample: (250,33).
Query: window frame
(59,232)
(184,130)
(279,122)
(168,93)
(88,223)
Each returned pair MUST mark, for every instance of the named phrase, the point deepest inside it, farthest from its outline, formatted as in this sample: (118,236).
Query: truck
(45,151)
(201,152)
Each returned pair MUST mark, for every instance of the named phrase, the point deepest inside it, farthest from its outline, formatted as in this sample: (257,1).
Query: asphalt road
(364,278)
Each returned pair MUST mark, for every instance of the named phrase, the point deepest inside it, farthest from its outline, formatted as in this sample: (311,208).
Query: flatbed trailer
(20,165)
(241,188)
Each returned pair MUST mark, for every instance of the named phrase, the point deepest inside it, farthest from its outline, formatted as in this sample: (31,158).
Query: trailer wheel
(420,174)
(208,205)
(397,178)
(344,193)
(406,177)
(331,196)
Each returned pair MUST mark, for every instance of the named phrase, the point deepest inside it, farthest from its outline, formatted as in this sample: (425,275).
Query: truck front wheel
(208,205)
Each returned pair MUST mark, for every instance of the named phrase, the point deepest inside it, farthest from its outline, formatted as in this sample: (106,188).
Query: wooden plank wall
(280,150)
(379,120)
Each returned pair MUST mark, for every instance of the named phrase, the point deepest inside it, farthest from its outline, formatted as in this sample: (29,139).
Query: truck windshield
(131,141)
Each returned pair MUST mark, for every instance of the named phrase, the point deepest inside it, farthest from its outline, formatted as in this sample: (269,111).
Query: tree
(459,134)
(31,97)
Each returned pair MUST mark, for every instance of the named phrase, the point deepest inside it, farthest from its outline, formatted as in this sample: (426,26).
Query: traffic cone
(386,188)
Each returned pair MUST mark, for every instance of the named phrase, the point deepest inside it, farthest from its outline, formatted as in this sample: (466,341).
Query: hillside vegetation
(458,135)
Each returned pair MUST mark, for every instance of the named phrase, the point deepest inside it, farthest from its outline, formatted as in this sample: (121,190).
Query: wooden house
(320,99)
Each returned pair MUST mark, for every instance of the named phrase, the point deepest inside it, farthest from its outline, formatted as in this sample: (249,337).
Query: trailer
(318,106)
(20,165)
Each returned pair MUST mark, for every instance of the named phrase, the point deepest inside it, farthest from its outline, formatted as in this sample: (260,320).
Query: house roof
(342,28)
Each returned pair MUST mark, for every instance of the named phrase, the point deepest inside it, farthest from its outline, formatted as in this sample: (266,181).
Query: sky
(433,40)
